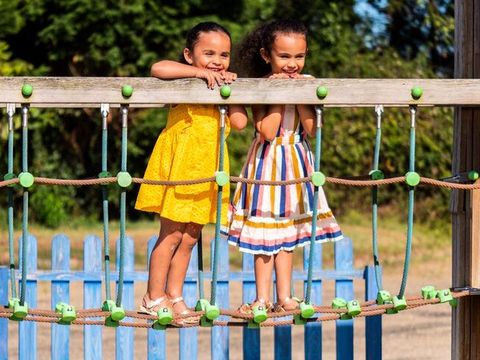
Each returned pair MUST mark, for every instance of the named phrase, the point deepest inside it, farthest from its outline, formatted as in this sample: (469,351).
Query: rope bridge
(207,311)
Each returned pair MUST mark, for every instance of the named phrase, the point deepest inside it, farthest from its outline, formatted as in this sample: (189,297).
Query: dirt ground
(414,334)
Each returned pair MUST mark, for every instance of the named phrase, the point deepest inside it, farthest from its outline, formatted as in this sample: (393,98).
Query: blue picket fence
(61,277)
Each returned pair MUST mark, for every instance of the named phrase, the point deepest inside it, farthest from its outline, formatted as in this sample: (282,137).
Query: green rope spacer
(416,92)
(318,179)
(124,179)
(221,178)
(444,295)
(225,91)
(212,312)
(399,304)
(19,311)
(299,320)
(27,90)
(376,175)
(412,178)
(339,303)
(453,303)
(127,91)
(67,312)
(165,316)
(306,310)
(157,326)
(384,297)
(353,308)
(259,313)
(117,313)
(9,176)
(473,175)
(252,325)
(26,179)
(202,305)
(429,292)
(322,92)
(111,323)
(104,174)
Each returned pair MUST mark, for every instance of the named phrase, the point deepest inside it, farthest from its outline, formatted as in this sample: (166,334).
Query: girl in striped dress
(271,221)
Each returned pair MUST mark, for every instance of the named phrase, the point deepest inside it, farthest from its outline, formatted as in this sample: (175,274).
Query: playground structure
(462,93)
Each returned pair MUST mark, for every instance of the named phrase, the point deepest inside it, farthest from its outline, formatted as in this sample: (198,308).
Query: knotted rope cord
(123,204)
(25,204)
(223,112)
(106,243)
(411,194)
(10,113)
(376,158)
(313,236)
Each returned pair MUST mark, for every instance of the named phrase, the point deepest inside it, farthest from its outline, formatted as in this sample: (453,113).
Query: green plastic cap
(339,303)
(127,91)
(445,295)
(322,92)
(117,313)
(353,308)
(306,310)
(318,178)
(429,292)
(416,92)
(221,178)
(201,305)
(27,90)
(26,179)
(412,178)
(165,316)
(212,312)
(399,303)
(225,91)
(124,179)
(473,175)
(259,313)
(384,297)
(376,175)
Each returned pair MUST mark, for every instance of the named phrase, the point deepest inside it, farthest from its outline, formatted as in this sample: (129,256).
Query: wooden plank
(4,283)
(251,337)
(60,334)
(219,342)
(27,330)
(344,289)
(92,297)
(156,340)
(124,340)
(77,91)
(373,324)
(313,331)
(189,337)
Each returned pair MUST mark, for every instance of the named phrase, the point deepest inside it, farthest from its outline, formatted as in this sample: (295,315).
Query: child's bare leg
(283,271)
(168,241)
(179,264)
(263,276)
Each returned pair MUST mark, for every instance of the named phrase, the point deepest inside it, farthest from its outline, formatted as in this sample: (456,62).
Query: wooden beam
(151,92)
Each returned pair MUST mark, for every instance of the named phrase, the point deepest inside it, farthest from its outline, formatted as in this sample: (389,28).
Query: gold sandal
(152,307)
(189,320)
(280,306)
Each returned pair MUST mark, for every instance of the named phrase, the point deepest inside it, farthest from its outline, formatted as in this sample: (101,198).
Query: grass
(431,246)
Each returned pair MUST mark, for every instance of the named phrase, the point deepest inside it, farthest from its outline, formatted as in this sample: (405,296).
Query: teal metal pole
(25,204)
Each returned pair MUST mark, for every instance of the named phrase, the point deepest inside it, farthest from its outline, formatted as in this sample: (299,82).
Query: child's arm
(168,69)
(308,119)
(238,116)
(267,120)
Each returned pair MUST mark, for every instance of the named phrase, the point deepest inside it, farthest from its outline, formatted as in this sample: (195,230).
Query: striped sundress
(267,219)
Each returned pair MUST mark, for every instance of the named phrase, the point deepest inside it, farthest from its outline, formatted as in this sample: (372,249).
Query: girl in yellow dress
(186,149)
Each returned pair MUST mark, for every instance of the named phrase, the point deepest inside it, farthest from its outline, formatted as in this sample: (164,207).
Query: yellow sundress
(187,149)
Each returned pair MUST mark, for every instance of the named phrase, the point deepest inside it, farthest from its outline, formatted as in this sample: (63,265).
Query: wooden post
(466,156)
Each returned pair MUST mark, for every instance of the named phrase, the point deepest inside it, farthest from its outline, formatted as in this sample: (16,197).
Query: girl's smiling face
(287,55)
(211,51)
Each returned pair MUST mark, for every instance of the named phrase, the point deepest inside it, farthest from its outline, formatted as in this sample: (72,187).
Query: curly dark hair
(194,33)
(249,61)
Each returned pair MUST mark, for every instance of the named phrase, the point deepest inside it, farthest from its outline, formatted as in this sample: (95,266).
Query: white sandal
(151,307)
(184,320)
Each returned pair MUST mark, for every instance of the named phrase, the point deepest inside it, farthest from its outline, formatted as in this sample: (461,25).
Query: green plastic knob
(26,179)
(9,176)
(108,305)
(67,312)
(429,292)
(117,313)
(384,297)
(212,312)
(111,323)
(127,91)
(453,303)
(322,92)
(157,326)
(165,316)
(445,295)
(339,303)
(306,310)
(399,303)
(259,313)
(124,179)
(104,174)
(225,91)
(412,178)
(19,311)
(353,308)
(27,90)
(417,92)
(201,305)
(376,175)
(473,175)
(318,178)
(221,178)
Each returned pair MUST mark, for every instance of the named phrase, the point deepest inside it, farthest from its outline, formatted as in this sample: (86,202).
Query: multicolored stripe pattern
(267,219)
